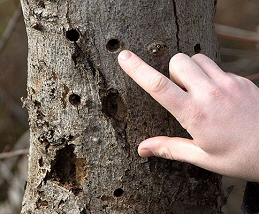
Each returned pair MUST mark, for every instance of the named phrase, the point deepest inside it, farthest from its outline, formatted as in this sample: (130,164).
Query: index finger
(162,89)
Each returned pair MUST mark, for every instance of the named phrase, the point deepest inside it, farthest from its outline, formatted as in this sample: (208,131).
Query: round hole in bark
(72,35)
(41,162)
(197,48)
(118,192)
(113,45)
(75,99)
(41,4)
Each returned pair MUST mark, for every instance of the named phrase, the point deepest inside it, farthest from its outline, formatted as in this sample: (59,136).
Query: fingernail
(125,55)
(145,153)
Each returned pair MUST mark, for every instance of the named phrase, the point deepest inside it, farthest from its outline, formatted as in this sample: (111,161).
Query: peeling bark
(87,116)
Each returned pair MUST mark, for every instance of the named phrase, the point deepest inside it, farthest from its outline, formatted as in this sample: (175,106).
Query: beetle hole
(72,35)
(113,45)
(118,192)
(157,48)
(197,48)
(75,99)
(41,4)
(113,105)
(41,162)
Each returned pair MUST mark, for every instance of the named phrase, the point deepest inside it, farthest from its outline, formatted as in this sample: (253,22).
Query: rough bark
(87,117)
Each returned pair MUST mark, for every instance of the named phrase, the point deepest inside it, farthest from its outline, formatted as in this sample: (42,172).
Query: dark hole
(41,162)
(197,48)
(72,35)
(70,137)
(83,212)
(113,45)
(63,167)
(37,104)
(110,103)
(77,191)
(63,140)
(118,192)
(75,99)
(41,4)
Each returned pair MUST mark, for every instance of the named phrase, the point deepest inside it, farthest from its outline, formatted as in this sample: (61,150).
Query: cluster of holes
(112,45)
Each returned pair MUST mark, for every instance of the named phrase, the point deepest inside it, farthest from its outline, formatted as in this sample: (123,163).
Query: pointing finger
(168,94)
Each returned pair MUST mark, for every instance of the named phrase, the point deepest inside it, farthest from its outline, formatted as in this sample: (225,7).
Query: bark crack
(177,26)
(68,14)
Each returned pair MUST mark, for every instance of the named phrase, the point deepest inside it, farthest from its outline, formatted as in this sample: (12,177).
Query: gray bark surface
(87,116)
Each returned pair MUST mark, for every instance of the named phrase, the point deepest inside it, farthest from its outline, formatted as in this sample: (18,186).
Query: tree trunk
(87,116)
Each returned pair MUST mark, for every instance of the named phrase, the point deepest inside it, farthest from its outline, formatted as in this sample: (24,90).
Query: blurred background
(237,24)
(13,119)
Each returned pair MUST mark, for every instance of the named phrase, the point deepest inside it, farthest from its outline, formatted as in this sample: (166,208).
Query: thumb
(174,148)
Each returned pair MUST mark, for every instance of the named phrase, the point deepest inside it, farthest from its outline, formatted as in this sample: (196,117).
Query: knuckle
(201,110)
(164,152)
(245,82)
(215,93)
(158,84)
(235,83)
(195,117)
(198,117)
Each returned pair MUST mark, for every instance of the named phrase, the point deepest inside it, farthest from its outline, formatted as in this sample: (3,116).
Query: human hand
(219,110)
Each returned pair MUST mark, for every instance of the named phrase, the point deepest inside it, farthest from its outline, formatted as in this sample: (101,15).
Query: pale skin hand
(218,109)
